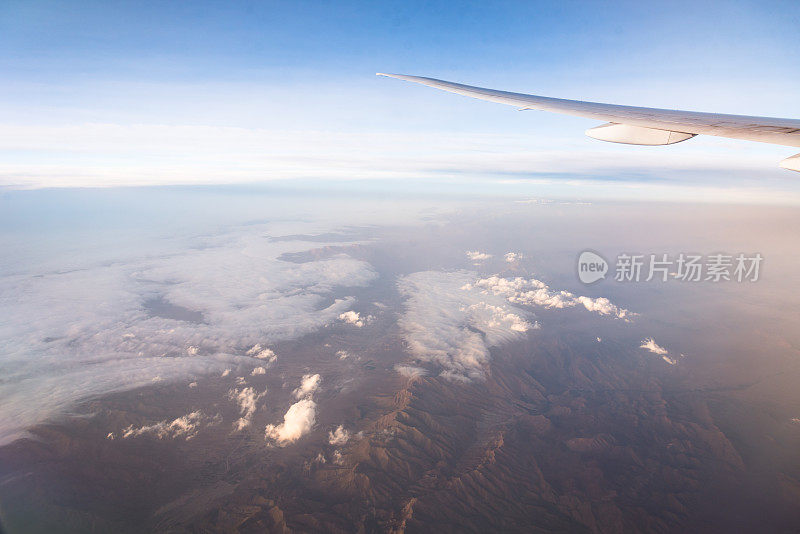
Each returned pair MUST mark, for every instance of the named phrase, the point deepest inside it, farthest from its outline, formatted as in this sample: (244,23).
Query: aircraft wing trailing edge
(637,125)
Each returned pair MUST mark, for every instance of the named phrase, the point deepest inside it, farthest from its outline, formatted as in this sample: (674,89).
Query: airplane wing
(637,125)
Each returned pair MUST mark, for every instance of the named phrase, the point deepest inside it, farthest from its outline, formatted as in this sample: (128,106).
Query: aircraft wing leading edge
(638,125)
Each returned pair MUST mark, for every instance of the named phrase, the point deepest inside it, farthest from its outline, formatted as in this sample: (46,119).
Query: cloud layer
(452,318)
(70,334)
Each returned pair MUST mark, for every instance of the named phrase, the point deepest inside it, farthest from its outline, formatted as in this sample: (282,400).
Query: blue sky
(139,93)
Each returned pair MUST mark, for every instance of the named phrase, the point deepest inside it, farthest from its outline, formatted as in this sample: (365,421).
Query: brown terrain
(558,438)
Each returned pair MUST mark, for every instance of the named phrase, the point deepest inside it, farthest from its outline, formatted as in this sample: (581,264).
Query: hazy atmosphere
(248,286)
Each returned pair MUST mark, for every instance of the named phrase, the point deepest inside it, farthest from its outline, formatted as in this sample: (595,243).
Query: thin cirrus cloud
(117,102)
(108,154)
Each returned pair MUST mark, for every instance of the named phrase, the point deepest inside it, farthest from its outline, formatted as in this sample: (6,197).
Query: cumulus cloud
(76,331)
(533,292)
(258,371)
(475,255)
(354,318)
(453,318)
(511,257)
(297,422)
(264,353)
(185,427)
(651,345)
(308,386)
(246,399)
(225,373)
(342,354)
(339,436)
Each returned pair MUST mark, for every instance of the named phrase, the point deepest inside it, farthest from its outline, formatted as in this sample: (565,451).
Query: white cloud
(151,152)
(297,422)
(339,436)
(494,321)
(411,371)
(258,371)
(308,386)
(186,427)
(454,328)
(475,255)
(533,292)
(264,353)
(511,257)
(603,306)
(225,373)
(452,318)
(79,330)
(354,318)
(342,354)
(651,345)
(247,400)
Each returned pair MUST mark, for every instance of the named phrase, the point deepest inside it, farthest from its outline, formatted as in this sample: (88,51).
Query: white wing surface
(637,125)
